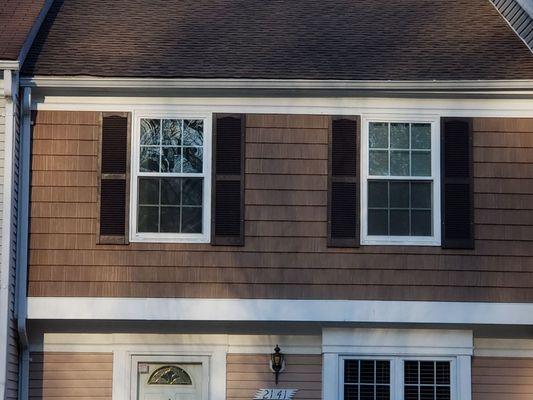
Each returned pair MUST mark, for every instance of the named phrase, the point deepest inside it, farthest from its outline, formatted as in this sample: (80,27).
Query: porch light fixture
(277,362)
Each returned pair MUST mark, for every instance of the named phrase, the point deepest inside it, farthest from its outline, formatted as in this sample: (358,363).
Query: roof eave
(89,82)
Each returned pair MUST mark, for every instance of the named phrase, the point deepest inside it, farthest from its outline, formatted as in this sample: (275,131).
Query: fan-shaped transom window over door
(170,381)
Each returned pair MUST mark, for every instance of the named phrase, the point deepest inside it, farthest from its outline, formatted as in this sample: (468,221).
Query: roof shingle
(279,39)
(16,20)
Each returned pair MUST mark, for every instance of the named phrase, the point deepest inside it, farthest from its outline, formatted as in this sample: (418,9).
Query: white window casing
(205,235)
(435,238)
(396,345)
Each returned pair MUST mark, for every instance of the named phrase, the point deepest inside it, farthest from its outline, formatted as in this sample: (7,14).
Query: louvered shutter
(457,183)
(228,180)
(114,179)
(343,182)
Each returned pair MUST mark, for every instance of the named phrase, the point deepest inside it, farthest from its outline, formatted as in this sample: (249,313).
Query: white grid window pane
(400,208)
(427,380)
(400,184)
(170,176)
(399,149)
(367,380)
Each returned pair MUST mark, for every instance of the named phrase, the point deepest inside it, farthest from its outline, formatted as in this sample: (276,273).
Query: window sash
(205,175)
(435,238)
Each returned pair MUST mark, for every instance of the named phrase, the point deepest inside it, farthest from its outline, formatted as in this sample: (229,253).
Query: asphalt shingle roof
(16,20)
(279,39)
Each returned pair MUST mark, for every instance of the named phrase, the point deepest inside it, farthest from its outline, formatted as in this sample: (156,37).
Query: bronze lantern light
(277,362)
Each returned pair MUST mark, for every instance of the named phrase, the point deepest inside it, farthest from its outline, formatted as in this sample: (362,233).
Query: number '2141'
(275,394)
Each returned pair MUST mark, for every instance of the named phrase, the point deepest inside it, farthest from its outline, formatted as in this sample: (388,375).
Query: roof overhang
(88,85)
(161,83)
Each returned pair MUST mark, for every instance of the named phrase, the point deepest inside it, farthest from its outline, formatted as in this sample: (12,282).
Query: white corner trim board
(338,311)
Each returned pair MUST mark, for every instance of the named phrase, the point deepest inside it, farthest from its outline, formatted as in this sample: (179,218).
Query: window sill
(412,241)
(162,238)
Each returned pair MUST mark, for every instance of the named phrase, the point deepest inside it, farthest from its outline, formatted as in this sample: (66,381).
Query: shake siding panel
(502,378)
(246,373)
(71,375)
(285,253)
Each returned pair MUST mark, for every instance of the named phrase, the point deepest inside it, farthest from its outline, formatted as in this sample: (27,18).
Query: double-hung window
(397,378)
(400,182)
(171,185)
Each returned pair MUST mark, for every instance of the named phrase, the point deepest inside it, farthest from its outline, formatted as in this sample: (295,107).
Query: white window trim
(388,343)
(397,372)
(205,236)
(434,240)
(209,350)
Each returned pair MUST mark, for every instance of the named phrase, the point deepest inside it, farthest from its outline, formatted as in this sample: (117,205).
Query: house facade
(312,200)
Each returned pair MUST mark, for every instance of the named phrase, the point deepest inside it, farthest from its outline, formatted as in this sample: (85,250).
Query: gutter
(22,242)
(89,82)
(10,85)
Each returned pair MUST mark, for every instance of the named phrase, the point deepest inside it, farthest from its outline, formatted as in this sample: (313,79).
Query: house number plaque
(275,394)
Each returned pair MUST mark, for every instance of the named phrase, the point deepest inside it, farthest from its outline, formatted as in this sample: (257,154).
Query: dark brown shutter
(343,182)
(228,179)
(457,183)
(113,183)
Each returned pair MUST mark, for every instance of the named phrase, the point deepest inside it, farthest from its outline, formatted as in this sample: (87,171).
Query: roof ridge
(518,17)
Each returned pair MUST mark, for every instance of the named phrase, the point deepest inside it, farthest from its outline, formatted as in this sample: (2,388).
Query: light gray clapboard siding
(13,347)
(518,18)
(12,336)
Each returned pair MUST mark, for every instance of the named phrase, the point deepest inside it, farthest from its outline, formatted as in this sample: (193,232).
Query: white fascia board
(321,311)
(88,82)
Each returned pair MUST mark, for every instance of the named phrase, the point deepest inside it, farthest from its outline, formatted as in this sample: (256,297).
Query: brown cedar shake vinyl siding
(62,376)
(502,378)
(285,253)
(246,373)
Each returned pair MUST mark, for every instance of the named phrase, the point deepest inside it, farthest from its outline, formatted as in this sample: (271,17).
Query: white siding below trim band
(234,344)
(465,107)
(338,311)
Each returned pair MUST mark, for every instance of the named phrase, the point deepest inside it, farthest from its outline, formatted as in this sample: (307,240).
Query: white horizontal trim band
(337,311)
(153,83)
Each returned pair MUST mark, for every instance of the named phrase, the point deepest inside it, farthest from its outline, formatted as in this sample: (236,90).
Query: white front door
(162,381)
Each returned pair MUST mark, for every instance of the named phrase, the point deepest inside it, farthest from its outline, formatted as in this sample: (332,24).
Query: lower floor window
(368,379)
